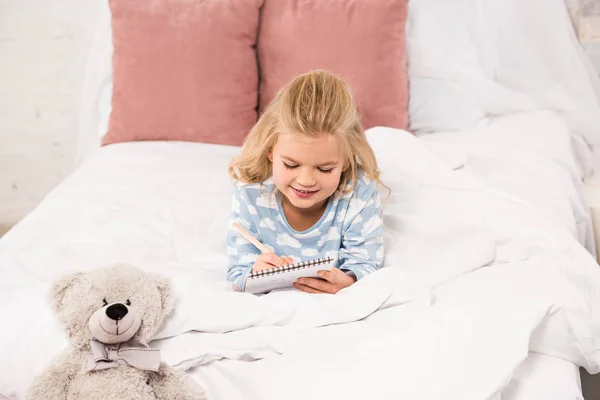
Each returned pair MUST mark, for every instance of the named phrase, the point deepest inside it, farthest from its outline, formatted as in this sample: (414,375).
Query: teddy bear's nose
(116,311)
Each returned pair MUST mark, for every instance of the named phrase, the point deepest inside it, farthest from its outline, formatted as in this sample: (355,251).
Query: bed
(490,284)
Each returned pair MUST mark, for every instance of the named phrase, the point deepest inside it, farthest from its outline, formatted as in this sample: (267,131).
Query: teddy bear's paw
(174,384)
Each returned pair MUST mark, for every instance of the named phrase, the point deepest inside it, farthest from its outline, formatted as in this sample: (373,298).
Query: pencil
(248,236)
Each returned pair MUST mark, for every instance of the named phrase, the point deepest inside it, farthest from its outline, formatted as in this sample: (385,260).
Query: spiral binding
(290,267)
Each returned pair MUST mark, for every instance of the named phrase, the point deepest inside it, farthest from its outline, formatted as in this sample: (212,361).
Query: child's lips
(304,194)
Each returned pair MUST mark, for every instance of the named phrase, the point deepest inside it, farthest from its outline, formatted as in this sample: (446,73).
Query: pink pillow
(184,70)
(361,41)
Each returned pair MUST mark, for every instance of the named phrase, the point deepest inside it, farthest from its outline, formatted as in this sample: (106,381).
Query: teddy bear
(110,314)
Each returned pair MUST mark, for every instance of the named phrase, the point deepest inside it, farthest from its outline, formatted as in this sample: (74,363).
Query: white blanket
(475,277)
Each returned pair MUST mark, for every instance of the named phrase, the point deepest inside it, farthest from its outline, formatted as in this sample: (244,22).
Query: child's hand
(331,282)
(270,260)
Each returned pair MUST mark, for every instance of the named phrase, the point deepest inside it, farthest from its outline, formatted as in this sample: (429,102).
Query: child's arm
(362,241)
(241,253)
(245,256)
(362,245)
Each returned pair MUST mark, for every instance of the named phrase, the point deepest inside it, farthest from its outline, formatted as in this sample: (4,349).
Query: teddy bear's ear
(166,294)
(59,288)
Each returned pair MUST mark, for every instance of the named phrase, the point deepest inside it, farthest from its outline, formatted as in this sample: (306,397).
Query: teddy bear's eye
(128,302)
(104,302)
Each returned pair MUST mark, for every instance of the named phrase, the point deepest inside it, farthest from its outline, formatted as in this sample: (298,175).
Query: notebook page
(285,279)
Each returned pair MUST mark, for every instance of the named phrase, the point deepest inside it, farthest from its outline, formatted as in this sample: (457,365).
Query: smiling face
(307,169)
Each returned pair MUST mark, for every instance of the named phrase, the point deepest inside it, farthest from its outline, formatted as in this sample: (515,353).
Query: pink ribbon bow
(135,354)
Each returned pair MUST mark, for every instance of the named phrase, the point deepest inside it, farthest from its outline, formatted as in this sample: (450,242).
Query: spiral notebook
(285,276)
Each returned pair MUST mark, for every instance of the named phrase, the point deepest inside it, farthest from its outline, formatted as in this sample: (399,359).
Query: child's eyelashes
(323,170)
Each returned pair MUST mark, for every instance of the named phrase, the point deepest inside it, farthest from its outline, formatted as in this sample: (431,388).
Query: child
(307,187)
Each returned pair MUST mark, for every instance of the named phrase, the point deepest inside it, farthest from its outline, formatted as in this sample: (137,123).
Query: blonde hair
(311,104)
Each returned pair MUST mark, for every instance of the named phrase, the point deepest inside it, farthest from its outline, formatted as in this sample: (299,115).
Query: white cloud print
(264,202)
(295,259)
(313,233)
(251,185)
(355,206)
(373,223)
(329,216)
(241,221)
(283,239)
(267,223)
(241,241)
(360,253)
(235,204)
(332,234)
(332,254)
(379,253)
(248,258)
(307,252)
(252,209)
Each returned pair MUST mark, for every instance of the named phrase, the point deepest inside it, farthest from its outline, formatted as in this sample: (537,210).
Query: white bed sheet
(439,315)
(538,377)
(542,377)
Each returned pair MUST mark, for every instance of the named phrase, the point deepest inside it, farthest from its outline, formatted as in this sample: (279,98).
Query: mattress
(481,270)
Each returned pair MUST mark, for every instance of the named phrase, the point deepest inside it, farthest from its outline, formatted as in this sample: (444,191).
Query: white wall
(42,48)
